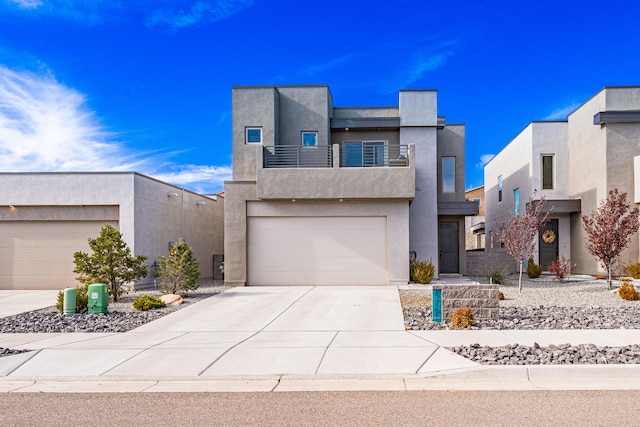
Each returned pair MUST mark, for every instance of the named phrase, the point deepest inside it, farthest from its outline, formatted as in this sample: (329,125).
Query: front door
(548,244)
(448,241)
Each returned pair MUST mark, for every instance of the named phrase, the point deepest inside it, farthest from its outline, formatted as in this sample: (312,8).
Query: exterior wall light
(201,203)
(172,194)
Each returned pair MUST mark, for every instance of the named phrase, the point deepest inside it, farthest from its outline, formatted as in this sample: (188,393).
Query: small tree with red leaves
(519,232)
(609,229)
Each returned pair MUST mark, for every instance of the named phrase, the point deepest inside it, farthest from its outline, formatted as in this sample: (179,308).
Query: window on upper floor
(478,201)
(516,202)
(547,172)
(448,174)
(500,188)
(253,135)
(309,138)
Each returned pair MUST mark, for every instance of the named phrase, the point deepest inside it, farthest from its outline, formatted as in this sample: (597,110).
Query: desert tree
(178,271)
(519,232)
(111,262)
(609,228)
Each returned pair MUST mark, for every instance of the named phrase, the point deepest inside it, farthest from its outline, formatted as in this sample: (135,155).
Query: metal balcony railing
(297,156)
(373,154)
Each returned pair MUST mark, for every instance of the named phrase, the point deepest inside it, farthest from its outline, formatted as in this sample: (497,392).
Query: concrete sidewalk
(294,338)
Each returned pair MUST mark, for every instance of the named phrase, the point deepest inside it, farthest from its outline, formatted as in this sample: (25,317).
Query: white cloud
(562,112)
(199,12)
(27,4)
(484,159)
(48,127)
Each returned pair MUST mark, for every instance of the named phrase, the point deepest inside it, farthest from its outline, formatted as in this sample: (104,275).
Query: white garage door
(39,254)
(317,251)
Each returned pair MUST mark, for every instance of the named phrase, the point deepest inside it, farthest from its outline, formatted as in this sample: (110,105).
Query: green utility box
(98,300)
(69,301)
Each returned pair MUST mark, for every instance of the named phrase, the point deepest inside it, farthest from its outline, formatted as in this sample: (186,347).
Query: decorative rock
(171,299)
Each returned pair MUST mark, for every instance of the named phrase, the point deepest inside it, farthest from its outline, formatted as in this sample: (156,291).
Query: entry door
(449,248)
(548,244)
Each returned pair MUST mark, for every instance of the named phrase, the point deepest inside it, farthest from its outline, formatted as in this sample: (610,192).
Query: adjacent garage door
(39,254)
(317,250)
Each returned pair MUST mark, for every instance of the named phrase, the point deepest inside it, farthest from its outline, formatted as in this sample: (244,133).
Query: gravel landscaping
(577,303)
(121,316)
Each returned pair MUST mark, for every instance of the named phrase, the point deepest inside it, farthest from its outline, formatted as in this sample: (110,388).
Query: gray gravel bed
(121,316)
(545,303)
(564,354)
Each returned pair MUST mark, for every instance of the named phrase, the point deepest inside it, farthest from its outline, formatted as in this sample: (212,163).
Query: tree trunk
(609,272)
(520,278)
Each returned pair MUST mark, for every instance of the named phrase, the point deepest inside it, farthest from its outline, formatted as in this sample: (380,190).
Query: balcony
(353,170)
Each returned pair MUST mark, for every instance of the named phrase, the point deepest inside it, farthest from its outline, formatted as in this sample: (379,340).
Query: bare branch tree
(609,229)
(519,232)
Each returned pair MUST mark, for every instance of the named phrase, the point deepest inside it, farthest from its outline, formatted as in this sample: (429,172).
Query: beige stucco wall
(147,217)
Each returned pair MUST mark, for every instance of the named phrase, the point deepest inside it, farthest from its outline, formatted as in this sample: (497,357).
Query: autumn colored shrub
(500,295)
(462,318)
(627,291)
(561,268)
(634,270)
(533,270)
(421,271)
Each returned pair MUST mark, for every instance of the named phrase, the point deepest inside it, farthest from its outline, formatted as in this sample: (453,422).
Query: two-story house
(323,195)
(573,164)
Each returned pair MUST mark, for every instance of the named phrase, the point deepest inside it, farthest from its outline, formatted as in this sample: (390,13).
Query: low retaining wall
(484,300)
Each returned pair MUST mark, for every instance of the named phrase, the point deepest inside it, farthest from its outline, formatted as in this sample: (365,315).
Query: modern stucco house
(573,164)
(325,195)
(46,217)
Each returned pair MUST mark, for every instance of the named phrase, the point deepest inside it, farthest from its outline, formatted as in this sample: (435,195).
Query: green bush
(634,270)
(421,271)
(533,270)
(82,299)
(498,277)
(178,271)
(147,302)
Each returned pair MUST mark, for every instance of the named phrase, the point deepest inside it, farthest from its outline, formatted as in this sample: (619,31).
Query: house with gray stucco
(46,217)
(573,164)
(326,195)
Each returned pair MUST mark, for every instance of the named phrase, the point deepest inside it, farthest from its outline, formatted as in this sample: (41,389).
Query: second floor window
(309,139)
(448,174)
(516,202)
(547,172)
(500,188)
(253,135)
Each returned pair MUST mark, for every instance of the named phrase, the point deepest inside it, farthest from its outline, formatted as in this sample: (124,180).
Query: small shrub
(462,318)
(421,271)
(627,291)
(500,295)
(147,302)
(634,270)
(82,299)
(178,271)
(533,270)
(561,268)
(498,277)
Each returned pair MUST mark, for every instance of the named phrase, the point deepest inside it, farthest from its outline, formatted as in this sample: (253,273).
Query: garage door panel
(317,250)
(39,254)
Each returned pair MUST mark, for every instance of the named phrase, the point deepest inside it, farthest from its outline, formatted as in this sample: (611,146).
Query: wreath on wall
(549,236)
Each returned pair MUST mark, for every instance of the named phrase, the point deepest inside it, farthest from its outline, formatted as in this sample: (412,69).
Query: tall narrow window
(309,139)
(547,172)
(448,174)
(500,188)
(253,135)
(516,201)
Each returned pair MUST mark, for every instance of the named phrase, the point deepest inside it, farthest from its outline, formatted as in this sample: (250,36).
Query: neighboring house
(474,225)
(336,196)
(573,164)
(46,217)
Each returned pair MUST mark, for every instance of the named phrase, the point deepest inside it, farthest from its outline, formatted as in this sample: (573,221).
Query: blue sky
(145,85)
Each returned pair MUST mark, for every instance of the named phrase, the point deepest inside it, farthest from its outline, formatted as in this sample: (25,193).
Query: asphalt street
(473,408)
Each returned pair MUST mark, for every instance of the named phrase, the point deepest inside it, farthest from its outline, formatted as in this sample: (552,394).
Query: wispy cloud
(26,4)
(48,127)
(312,70)
(198,13)
(484,159)
(562,112)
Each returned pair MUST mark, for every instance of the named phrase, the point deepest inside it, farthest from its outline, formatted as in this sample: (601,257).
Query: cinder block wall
(480,263)
(484,300)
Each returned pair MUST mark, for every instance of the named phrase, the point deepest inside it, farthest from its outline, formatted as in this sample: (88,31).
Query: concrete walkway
(294,338)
